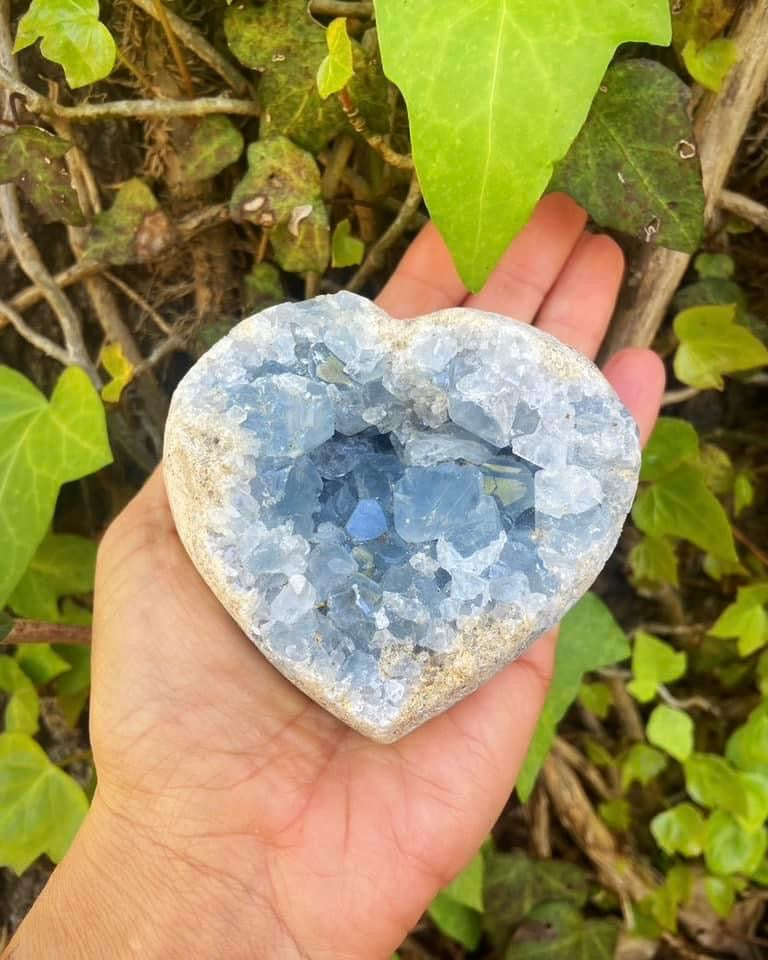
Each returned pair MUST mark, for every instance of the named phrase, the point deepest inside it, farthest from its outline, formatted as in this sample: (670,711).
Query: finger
(533,261)
(579,307)
(638,377)
(425,279)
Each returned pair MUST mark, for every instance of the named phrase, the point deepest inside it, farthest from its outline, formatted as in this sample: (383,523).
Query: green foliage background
(640,813)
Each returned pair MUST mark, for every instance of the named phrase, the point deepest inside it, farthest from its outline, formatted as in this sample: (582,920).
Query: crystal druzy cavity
(393,511)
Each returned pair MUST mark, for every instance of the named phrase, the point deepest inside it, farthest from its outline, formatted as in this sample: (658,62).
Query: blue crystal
(430,500)
(367,521)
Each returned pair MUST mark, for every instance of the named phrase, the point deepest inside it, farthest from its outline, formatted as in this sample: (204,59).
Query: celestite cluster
(392,511)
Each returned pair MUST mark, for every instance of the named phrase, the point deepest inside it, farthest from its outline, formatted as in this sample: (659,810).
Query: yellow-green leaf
(42,445)
(653,662)
(23,706)
(120,369)
(336,70)
(711,344)
(41,807)
(746,619)
(709,65)
(671,730)
(346,250)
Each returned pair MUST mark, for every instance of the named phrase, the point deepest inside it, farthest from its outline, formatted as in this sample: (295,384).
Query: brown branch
(745,207)
(342,8)
(161,15)
(87,112)
(720,123)
(375,257)
(196,42)
(38,631)
(374,140)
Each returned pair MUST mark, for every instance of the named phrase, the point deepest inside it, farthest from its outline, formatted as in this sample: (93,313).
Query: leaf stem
(374,140)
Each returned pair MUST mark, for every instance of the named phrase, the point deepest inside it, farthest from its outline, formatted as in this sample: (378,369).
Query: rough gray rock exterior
(392,511)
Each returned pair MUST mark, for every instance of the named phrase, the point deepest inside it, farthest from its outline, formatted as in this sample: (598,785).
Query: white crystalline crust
(498,462)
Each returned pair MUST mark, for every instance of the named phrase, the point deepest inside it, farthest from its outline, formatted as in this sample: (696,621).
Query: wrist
(119,895)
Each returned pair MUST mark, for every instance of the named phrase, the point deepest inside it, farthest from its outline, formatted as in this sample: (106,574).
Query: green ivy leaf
(721,893)
(680,505)
(281,191)
(456,920)
(711,781)
(710,65)
(34,160)
(281,40)
(67,434)
(653,662)
(672,443)
(672,731)
(711,344)
(72,35)
(215,144)
(134,229)
(681,829)
(714,266)
(558,931)
(627,168)
(346,250)
(752,791)
(652,561)
(746,619)
(336,69)
(730,848)
(743,493)
(716,468)
(747,746)
(533,71)
(665,900)
(616,813)
(597,698)
(262,287)
(41,807)
(515,884)
(590,638)
(63,566)
(40,662)
(23,706)
(72,687)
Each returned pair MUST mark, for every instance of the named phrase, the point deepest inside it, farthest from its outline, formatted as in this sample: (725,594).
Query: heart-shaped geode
(394,510)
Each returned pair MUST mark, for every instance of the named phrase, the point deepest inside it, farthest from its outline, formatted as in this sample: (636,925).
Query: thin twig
(687,703)
(336,161)
(673,630)
(374,140)
(137,298)
(161,15)
(744,207)
(43,344)
(38,631)
(342,8)
(626,709)
(761,555)
(579,762)
(161,350)
(87,112)
(196,42)
(24,249)
(375,256)
(672,397)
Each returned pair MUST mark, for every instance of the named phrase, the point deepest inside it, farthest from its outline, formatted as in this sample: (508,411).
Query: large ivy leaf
(632,166)
(281,191)
(281,40)
(72,35)
(590,638)
(33,159)
(680,505)
(711,344)
(41,807)
(732,849)
(23,706)
(515,885)
(42,445)
(134,229)
(63,566)
(533,70)
(558,931)
(215,144)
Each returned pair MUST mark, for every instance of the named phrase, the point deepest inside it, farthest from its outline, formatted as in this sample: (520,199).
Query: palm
(202,746)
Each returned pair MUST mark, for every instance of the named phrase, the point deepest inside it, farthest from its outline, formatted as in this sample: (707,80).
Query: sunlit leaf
(22,706)
(41,807)
(533,70)
(730,848)
(710,65)
(72,35)
(671,730)
(346,250)
(653,662)
(67,434)
(681,829)
(712,344)
(336,69)
(746,619)
(119,368)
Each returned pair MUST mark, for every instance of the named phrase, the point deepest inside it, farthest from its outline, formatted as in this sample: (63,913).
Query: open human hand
(234,818)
